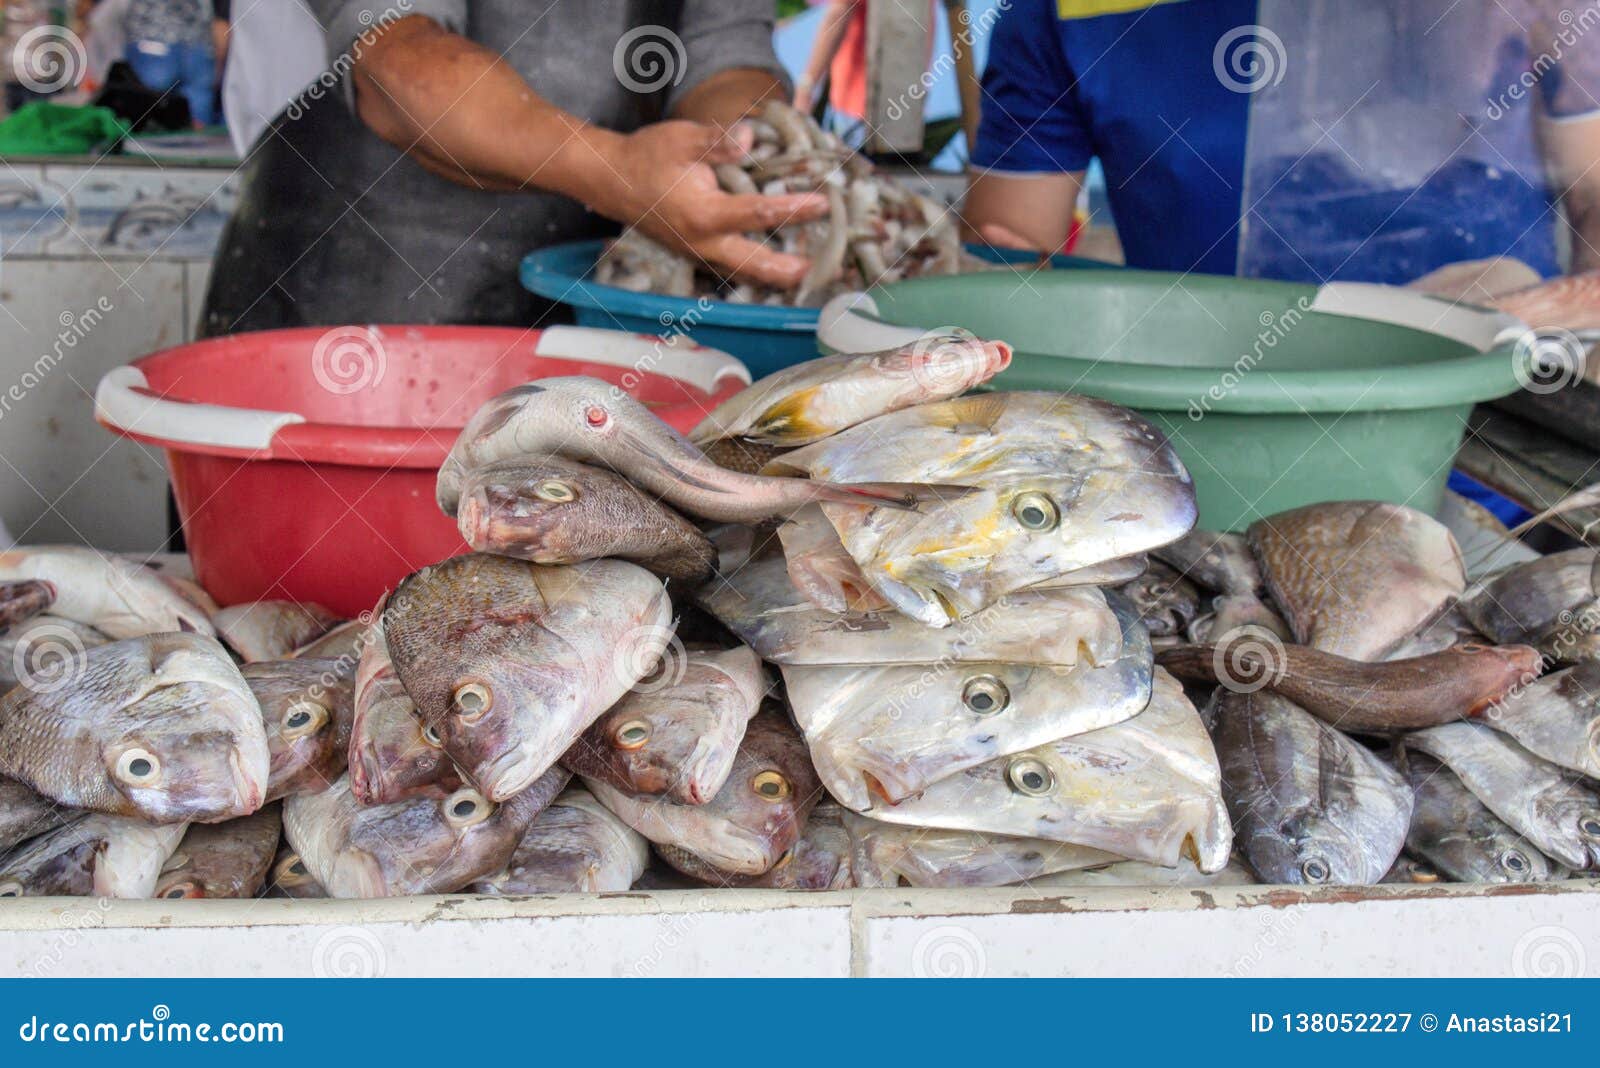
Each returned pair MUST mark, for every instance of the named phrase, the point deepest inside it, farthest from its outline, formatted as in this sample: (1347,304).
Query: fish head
(400,848)
(660,743)
(289,876)
(761,810)
(179,879)
(536,510)
(393,755)
(1573,812)
(1308,848)
(306,709)
(193,751)
(945,365)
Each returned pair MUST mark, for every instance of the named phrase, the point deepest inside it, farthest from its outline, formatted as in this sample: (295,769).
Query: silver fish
(751,823)
(820,567)
(888,854)
(677,732)
(25,813)
(229,859)
(163,727)
(509,661)
(95,855)
(1145,789)
(1552,603)
(1044,627)
(808,401)
(1065,482)
(1556,717)
(114,595)
(272,630)
(576,846)
(1309,805)
(419,846)
(1547,805)
(591,421)
(882,734)
(1356,578)
(1456,833)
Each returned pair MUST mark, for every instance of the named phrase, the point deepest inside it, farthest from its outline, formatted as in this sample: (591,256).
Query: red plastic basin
(303,461)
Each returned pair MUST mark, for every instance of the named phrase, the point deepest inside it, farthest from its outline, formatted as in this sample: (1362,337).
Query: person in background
(170,48)
(838,54)
(1141,86)
(470,132)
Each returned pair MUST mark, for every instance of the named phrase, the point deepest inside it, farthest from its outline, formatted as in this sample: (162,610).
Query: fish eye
(471,700)
(1030,776)
(1036,511)
(11,888)
(181,890)
(555,491)
(431,736)
(1315,870)
(138,767)
(985,694)
(632,734)
(297,867)
(770,786)
(303,718)
(465,808)
(1589,824)
(1512,861)
(596,417)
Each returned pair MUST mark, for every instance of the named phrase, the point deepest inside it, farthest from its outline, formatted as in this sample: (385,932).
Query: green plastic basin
(1271,405)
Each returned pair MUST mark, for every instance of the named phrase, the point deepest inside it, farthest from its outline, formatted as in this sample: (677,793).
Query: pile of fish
(862,626)
(875,230)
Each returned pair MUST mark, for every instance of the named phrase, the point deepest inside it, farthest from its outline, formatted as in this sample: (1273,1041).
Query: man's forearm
(465,114)
(728,96)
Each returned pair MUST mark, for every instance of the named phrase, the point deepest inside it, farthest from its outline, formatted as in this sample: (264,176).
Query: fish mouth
(509,774)
(472,519)
(357,874)
(365,774)
(246,786)
(740,852)
(704,773)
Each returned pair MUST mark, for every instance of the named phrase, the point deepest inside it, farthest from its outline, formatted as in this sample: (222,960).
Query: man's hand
(663,183)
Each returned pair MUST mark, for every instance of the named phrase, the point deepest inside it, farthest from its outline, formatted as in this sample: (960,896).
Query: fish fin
(906,496)
(975,414)
(787,420)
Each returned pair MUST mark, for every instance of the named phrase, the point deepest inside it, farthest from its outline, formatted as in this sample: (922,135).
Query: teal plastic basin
(1270,405)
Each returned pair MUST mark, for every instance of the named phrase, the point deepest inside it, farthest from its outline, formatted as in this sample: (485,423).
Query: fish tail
(907,496)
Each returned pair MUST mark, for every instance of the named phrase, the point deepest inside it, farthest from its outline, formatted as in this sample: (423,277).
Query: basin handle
(848,323)
(123,403)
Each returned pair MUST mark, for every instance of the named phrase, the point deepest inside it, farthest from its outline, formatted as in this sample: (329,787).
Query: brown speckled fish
(1356,578)
(25,813)
(419,846)
(392,755)
(1549,602)
(1358,695)
(162,727)
(306,707)
(555,511)
(752,822)
(509,661)
(23,600)
(677,732)
(223,859)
